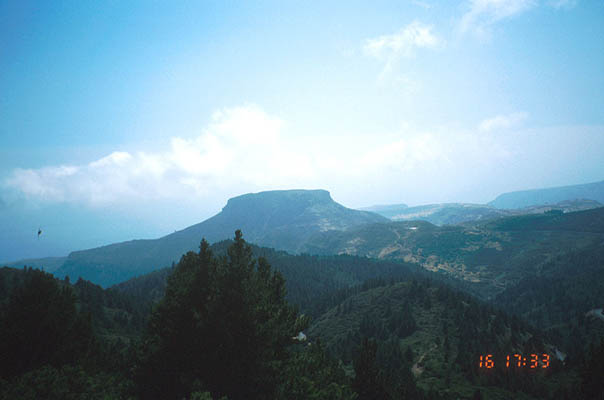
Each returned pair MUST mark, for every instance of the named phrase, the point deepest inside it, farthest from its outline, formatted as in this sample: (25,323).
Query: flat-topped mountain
(282,219)
(526,198)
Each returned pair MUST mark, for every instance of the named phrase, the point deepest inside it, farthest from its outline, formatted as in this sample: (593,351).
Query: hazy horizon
(132,120)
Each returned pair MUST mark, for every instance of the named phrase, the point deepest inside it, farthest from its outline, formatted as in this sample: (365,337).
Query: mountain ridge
(525,198)
(465,213)
(282,219)
(492,256)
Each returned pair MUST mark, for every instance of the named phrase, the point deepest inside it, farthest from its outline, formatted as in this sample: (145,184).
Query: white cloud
(241,145)
(563,4)
(244,149)
(403,43)
(389,49)
(116,158)
(483,14)
(404,154)
(502,121)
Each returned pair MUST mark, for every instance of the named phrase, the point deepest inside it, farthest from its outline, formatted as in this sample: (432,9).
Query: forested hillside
(492,256)
(472,214)
(282,219)
(310,280)
(232,312)
(438,335)
(562,297)
(58,343)
(222,330)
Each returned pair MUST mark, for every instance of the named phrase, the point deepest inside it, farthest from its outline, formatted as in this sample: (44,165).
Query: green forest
(225,322)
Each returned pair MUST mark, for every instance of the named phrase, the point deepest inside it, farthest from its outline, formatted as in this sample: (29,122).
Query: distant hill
(282,219)
(308,277)
(581,221)
(526,198)
(48,264)
(448,213)
(387,211)
(492,256)
(564,206)
(466,213)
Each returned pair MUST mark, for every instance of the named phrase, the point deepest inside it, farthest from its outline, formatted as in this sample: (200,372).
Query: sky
(124,120)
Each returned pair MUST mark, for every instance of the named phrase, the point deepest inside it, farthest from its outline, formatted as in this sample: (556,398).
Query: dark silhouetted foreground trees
(224,327)
(40,326)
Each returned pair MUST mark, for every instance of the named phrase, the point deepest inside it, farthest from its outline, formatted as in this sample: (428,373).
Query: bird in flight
(39,232)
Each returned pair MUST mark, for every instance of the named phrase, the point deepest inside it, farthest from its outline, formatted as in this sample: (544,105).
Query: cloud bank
(244,149)
(241,145)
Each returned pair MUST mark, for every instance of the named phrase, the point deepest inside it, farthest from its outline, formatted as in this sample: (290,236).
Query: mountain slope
(310,280)
(387,210)
(438,334)
(525,198)
(563,296)
(448,213)
(492,256)
(466,213)
(280,219)
(48,264)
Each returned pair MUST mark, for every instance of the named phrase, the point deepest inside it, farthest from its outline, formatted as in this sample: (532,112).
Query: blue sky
(139,118)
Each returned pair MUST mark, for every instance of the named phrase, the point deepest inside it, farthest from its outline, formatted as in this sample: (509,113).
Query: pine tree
(41,326)
(368,382)
(223,326)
